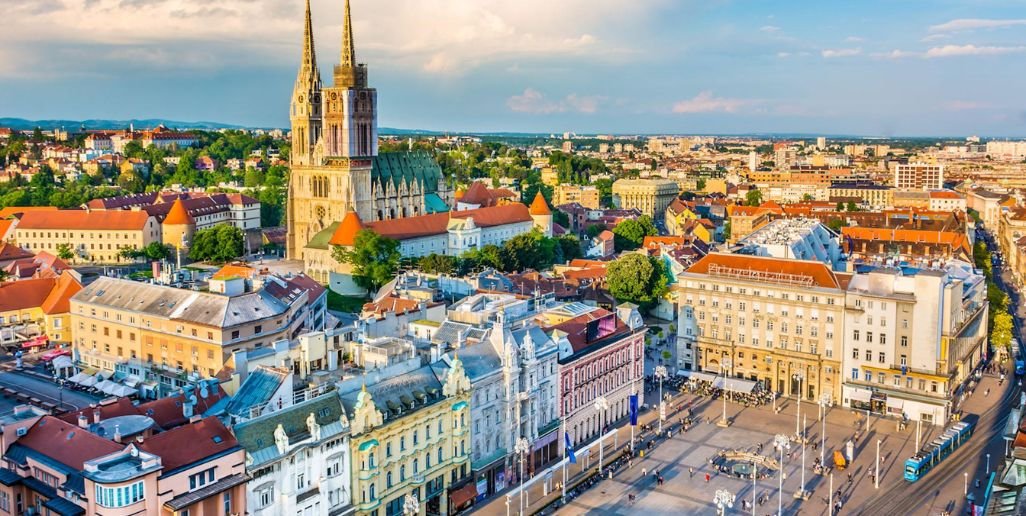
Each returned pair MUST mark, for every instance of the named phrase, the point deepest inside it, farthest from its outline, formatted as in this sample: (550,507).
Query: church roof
(406,167)
(476,194)
(323,237)
(438,223)
(347,230)
(539,206)
(178,215)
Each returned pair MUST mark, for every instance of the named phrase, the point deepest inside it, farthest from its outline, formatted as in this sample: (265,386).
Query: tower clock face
(317,98)
(334,96)
(301,99)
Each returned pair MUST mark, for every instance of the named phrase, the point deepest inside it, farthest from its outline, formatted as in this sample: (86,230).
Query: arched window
(388,481)
(373,496)
(402,473)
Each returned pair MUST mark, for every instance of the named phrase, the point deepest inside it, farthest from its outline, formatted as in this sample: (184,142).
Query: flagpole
(567,458)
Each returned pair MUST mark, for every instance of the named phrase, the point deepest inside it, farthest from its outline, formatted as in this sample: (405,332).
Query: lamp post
(987,471)
(755,476)
(660,372)
(800,376)
(831,494)
(522,447)
(724,366)
(724,500)
(601,405)
(801,489)
(876,477)
(781,442)
(824,402)
(965,490)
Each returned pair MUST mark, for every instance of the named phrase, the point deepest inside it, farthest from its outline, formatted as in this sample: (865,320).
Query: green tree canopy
(753,198)
(375,259)
(438,264)
(638,279)
(65,251)
(220,243)
(631,233)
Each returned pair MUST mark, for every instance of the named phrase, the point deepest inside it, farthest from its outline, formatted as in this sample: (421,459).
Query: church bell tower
(306,106)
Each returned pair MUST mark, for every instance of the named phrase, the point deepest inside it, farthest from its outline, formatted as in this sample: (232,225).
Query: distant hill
(20,124)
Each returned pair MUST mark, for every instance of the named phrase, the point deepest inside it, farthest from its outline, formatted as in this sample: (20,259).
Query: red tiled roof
(912,236)
(477,194)
(11,211)
(234,271)
(945,194)
(24,294)
(436,223)
(12,252)
(346,232)
(190,443)
(606,235)
(581,262)
(576,329)
(539,206)
(5,226)
(391,304)
(82,219)
(66,443)
(820,274)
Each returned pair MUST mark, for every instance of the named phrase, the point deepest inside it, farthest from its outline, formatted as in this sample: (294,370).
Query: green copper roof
(434,204)
(321,239)
(368,444)
(401,167)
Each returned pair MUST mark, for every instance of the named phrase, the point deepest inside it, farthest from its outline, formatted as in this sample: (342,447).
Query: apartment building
(919,176)
(771,321)
(650,196)
(94,236)
(155,331)
(587,196)
(870,194)
(410,435)
(912,339)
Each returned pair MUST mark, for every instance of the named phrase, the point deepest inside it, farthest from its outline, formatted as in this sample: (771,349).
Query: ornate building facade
(335,162)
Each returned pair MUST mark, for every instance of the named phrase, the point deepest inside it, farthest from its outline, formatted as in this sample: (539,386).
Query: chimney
(204,391)
(96,416)
(187,404)
(83,421)
(117,434)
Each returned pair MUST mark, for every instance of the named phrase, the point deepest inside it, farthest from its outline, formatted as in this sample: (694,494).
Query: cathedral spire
(348,53)
(309,63)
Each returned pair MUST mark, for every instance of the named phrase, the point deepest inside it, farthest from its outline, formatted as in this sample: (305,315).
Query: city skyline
(648,67)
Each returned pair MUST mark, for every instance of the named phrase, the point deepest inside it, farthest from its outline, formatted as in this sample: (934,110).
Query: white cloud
(705,102)
(895,54)
(535,102)
(935,37)
(971,50)
(769,28)
(854,39)
(841,52)
(783,55)
(965,24)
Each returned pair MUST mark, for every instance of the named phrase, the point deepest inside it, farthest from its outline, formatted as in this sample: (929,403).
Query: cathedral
(335,163)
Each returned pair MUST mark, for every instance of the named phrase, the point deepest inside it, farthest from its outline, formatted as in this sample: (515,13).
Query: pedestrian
(691,472)
(644,472)
(706,478)
(986,392)
(849,477)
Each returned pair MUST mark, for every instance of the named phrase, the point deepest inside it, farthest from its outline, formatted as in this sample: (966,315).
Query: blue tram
(938,449)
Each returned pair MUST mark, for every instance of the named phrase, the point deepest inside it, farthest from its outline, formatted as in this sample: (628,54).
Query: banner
(569,448)
(634,409)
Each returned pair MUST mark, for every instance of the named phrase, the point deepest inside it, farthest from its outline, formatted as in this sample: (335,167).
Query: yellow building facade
(410,436)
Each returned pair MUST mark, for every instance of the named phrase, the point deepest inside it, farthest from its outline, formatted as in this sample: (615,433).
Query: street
(45,390)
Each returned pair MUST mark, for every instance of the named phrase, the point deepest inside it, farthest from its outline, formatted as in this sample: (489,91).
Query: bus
(938,449)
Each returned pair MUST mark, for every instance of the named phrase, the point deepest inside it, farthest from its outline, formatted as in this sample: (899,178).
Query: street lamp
(801,493)
(800,376)
(965,490)
(988,465)
(723,367)
(522,447)
(601,406)
(824,402)
(660,372)
(755,476)
(724,500)
(831,495)
(781,442)
(876,478)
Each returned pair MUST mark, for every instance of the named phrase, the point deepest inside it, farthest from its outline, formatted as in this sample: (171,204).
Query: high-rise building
(919,176)
(336,167)
(651,196)
(821,143)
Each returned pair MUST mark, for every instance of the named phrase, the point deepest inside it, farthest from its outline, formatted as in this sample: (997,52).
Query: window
(869,355)
(198,480)
(883,357)
(855,335)
(904,360)
(855,353)
(227,502)
(904,341)
(114,497)
(265,497)
(300,480)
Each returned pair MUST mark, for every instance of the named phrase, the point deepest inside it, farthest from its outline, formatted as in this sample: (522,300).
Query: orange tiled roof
(655,241)
(25,294)
(345,233)
(81,219)
(956,240)
(945,194)
(738,210)
(477,194)
(539,206)
(58,302)
(191,443)
(5,226)
(10,211)
(66,443)
(234,271)
(821,275)
(178,216)
(437,223)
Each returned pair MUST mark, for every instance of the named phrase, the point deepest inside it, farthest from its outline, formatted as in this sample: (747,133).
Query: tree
(631,233)
(851,206)
(561,218)
(375,259)
(156,251)
(753,198)
(570,247)
(638,279)
(220,243)
(1001,331)
(528,251)
(437,264)
(836,224)
(807,197)
(840,206)
(700,184)
(65,251)
(593,230)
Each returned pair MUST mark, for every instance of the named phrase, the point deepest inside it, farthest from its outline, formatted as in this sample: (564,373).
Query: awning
(122,391)
(88,381)
(860,395)
(895,403)
(734,384)
(34,343)
(78,377)
(132,381)
(62,362)
(463,495)
(703,376)
(106,386)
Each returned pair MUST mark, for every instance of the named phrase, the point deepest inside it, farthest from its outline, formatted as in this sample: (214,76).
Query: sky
(867,67)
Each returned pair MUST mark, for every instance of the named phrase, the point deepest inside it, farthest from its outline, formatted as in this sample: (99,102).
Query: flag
(634,409)
(569,448)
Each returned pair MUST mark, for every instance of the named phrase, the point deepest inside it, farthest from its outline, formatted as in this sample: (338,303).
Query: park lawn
(340,303)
